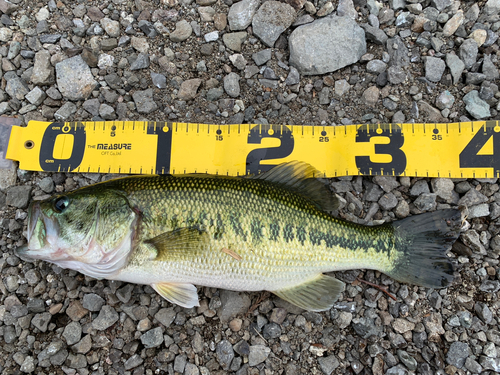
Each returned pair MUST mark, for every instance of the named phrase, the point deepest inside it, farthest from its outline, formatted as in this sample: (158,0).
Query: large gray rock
(326,45)
(476,107)
(74,79)
(271,20)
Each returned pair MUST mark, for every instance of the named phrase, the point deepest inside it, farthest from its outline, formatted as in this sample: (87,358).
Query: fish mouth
(41,232)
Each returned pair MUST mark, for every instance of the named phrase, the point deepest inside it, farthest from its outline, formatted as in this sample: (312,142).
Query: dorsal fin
(302,178)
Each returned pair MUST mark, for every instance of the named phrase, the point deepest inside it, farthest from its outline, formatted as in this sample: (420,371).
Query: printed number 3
(398,163)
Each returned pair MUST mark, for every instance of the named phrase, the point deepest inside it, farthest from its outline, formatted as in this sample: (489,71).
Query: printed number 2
(398,163)
(469,157)
(257,133)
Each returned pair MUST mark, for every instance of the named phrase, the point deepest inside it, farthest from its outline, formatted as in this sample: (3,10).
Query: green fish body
(244,234)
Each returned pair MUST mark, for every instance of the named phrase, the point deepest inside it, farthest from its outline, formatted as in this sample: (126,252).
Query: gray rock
(443,187)
(434,68)
(18,196)
(293,77)
(28,365)
(49,38)
(111,27)
(376,35)
(426,202)
(180,363)
(420,187)
(445,100)
(147,28)
(241,13)
(234,40)
(258,354)
(46,184)
(144,101)
(272,18)
(189,89)
(388,201)
(41,321)
(311,46)
(365,327)
(456,66)
(481,210)
(36,96)
(398,52)
(165,316)
(191,369)
(141,62)
(74,79)
(64,113)
(7,7)
(106,318)
(43,71)
(152,338)
(107,112)
(183,30)
(271,331)
(159,80)
(72,333)
(457,354)
(233,304)
(92,106)
(140,44)
(471,239)
(133,362)
(396,75)
(346,9)
(376,66)
(231,85)
(476,107)
(408,360)
(488,363)
(483,312)
(490,71)
(261,57)
(16,88)
(468,52)
(492,7)
(328,364)
(225,354)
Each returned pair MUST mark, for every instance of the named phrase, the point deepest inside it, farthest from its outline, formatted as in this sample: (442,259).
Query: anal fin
(316,294)
(181,294)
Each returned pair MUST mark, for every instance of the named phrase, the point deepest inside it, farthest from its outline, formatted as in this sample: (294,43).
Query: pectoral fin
(184,295)
(180,243)
(317,294)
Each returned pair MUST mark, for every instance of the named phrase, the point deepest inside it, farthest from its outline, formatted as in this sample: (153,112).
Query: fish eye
(61,203)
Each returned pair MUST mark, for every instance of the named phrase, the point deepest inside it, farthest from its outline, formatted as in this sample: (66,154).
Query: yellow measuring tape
(467,149)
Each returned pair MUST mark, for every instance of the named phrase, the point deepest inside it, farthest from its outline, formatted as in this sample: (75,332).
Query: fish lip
(34,213)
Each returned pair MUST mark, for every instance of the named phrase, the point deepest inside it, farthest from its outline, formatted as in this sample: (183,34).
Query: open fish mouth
(41,229)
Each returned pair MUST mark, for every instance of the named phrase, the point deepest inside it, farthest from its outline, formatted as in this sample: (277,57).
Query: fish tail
(422,242)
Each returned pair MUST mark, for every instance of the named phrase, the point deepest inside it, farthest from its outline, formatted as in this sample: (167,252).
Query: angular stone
(272,18)
(189,89)
(43,71)
(144,101)
(311,46)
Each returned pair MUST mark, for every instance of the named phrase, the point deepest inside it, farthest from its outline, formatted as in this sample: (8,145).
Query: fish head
(90,230)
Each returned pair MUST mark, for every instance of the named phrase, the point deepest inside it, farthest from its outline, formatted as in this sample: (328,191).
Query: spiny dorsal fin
(302,178)
(180,243)
(317,294)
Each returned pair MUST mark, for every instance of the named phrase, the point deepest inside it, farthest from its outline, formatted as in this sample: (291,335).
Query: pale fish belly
(274,267)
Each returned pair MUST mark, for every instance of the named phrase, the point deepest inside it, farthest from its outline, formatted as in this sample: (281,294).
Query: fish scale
(266,232)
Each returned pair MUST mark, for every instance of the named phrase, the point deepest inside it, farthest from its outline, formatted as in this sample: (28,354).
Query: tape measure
(467,149)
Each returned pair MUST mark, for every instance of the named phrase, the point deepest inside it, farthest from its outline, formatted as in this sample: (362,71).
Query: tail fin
(423,241)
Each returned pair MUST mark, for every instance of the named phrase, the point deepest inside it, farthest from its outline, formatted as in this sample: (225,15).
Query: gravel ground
(219,62)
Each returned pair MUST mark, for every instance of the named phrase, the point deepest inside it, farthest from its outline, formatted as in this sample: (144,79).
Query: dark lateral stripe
(288,234)
(236,225)
(274,231)
(256,230)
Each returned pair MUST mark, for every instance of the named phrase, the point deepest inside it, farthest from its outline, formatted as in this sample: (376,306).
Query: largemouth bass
(269,232)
